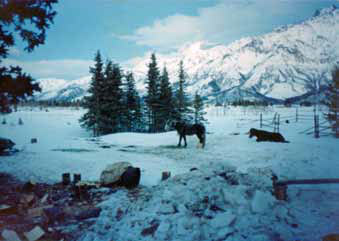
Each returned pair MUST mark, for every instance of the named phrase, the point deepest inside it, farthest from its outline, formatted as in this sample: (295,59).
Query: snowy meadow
(177,209)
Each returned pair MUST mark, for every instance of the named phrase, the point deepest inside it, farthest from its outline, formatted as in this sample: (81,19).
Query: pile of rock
(31,211)
(37,211)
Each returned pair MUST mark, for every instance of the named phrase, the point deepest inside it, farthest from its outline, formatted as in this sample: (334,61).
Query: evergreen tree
(93,102)
(14,87)
(182,103)
(332,101)
(133,105)
(166,108)
(152,97)
(112,112)
(28,20)
(199,111)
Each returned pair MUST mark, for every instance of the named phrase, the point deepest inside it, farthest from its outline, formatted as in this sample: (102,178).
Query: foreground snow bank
(213,202)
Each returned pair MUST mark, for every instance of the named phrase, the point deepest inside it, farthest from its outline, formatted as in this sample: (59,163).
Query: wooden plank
(309,181)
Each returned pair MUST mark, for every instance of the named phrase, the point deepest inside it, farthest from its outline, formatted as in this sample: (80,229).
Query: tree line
(115,105)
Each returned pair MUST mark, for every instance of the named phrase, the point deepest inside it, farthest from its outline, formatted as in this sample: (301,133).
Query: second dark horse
(184,129)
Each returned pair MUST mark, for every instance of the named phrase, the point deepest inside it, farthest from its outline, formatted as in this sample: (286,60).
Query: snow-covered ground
(248,211)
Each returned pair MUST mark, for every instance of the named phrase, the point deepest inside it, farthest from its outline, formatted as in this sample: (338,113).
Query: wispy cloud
(170,32)
(222,23)
(65,68)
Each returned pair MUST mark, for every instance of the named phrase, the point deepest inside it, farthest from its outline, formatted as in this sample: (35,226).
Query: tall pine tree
(182,102)
(112,112)
(199,111)
(166,107)
(93,102)
(333,101)
(152,97)
(133,105)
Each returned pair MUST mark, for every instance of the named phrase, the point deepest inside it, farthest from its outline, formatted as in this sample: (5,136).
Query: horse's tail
(203,141)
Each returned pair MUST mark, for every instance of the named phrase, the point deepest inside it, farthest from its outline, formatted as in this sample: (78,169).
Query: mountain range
(290,62)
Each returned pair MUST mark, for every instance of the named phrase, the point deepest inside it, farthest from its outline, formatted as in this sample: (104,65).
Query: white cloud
(170,32)
(224,22)
(65,68)
(212,24)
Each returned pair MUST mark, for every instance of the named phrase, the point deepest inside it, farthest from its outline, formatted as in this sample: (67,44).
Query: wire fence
(318,125)
(314,119)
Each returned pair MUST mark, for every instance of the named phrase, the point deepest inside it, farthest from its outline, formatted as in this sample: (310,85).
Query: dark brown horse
(184,129)
(266,136)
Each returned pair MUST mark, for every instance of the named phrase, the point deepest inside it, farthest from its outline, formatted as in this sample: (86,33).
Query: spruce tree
(133,105)
(199,111)
(166,108)
(112,113)
(152,97)
(182,103)
(93,102)
(332,101)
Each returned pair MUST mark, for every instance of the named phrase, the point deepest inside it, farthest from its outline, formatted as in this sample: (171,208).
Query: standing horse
(184,129)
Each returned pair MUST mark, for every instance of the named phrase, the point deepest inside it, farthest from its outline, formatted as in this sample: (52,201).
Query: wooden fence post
(66,178)
(336,127)
(260,120)
(316,126)
(296,115)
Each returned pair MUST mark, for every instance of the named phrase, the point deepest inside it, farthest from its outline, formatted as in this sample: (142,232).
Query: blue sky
(125,29)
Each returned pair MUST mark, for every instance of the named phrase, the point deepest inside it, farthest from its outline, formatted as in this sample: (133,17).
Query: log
(280,187)
(28,186)
(280,192)
(131,177)
(66,179)
(309,181)
(34,140)
(76,178)
(165,176)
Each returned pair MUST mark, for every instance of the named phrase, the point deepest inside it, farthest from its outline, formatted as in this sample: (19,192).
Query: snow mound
(213,202)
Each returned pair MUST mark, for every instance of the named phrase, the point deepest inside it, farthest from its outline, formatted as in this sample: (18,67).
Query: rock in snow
(113,172)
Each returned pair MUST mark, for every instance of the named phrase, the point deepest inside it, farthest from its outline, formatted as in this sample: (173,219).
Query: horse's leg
(185,140)
(201,139)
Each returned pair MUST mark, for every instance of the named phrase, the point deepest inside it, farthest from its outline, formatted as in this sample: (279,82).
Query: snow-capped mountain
(282,64)
(62,90)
